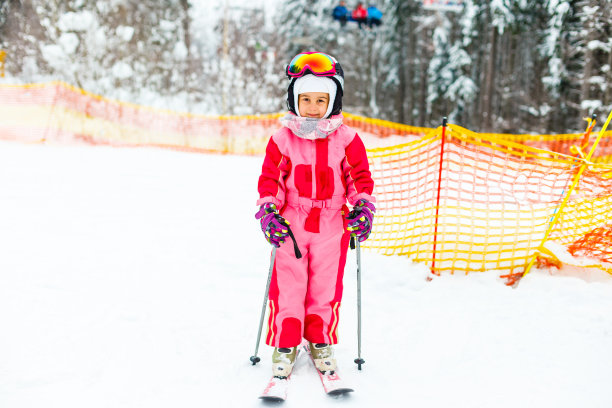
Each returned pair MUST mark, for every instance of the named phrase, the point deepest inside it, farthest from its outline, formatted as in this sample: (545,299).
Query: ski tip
(275,391)
(340,391)
(270,398)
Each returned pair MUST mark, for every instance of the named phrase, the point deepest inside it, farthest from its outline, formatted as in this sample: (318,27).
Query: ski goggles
(317,63)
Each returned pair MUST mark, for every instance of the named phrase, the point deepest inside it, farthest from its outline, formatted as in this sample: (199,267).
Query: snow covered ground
(135,277)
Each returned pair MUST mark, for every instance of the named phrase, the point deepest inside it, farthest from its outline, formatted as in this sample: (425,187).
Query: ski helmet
(336,77)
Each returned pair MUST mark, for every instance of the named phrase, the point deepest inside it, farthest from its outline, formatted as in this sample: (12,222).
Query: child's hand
(361,219)
(273,225)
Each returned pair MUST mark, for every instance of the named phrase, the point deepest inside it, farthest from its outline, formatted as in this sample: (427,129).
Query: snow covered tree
(450,88)
(246,68)
(520,103)
(143,47)
(440,76)
(19,35)
(499,17)
(497,65)
(124,50)
(561,50)
(596,36)
(400,63)
(577,48)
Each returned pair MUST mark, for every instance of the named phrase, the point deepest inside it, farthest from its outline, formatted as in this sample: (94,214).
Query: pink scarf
(311,128)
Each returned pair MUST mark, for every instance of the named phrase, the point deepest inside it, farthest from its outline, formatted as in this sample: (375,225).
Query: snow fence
(456,200)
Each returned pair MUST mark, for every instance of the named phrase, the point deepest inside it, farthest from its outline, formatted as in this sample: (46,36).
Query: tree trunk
(490,84)
(585,89)
(186,26)
(372,79)
(401,74)
(410,70)
(424,63)
(608,93)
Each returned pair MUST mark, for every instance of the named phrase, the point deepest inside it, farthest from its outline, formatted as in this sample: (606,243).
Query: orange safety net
(564,143)
(382,128)
(596,243)
(57,112)
(463,201)
(451,198)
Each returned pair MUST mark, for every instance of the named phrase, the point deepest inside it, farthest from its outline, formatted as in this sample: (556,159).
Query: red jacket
(360,13)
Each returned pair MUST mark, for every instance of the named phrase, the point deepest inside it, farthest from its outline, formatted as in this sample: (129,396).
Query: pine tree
(521,103)
(399,61)
(440,76)
(561,48)
(596,34)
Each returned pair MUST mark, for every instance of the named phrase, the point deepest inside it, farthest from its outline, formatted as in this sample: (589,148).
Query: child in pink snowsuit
(313,165)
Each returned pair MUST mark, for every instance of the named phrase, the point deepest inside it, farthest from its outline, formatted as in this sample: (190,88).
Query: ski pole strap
(298,254)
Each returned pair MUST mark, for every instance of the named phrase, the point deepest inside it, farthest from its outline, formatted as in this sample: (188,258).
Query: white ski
(332,383)
(276,390)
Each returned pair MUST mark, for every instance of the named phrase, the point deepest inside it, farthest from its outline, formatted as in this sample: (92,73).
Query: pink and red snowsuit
(310,181)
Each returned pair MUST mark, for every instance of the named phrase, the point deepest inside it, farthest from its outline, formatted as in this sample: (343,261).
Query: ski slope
(135,277)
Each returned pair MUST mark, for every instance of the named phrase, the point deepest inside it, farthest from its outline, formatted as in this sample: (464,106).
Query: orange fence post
(435,238)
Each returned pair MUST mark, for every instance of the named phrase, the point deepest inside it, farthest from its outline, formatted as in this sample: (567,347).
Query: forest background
(511,66)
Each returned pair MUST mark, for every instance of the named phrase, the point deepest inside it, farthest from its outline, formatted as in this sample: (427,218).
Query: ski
(276,390)
(332,383)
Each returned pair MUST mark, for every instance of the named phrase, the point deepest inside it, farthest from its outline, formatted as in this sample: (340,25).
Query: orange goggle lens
(317,62)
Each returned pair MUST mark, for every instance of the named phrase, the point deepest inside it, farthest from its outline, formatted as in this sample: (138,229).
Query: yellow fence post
(2,58)
(553,223)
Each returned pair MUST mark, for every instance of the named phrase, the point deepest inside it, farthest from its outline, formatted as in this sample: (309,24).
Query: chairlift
(372,18)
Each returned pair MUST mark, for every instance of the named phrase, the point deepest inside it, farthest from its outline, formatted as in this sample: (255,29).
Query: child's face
(313,104)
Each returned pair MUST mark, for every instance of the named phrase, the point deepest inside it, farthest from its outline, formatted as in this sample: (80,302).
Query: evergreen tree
(465,87)
(561,48)
(596,40)
(399,61)
(440,75)
(521,101)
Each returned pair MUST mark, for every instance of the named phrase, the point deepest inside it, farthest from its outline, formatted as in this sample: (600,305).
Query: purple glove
(361,219)
(273,225)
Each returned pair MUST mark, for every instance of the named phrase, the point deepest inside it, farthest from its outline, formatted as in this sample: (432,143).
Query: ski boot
(283,360)
(323,356)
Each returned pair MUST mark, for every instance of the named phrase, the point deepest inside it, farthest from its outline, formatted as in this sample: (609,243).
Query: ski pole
(254,359)
(359,361)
